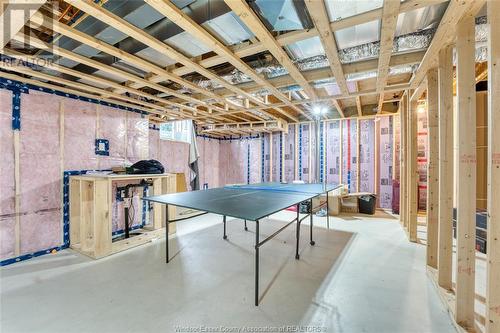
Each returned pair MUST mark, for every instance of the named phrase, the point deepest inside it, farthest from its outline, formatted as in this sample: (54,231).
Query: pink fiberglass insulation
(79,135)
(239,156)
(267,165)
(223,163)
(234,165)
(332,151)
(200,142)
(112,127)
(154,137)
(312,155)
(276,157)
(385,163)
(397,146)
(289,152)
(255,160)
(40,172)
(7,152)
(174,156)
(367,156)
(7,185)
(137,137)
(422,159)
(212,163)
(354,154)
(208,162)
(345,143)
(304,157)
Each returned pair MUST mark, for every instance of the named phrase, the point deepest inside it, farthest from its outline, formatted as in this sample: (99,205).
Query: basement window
(180,130)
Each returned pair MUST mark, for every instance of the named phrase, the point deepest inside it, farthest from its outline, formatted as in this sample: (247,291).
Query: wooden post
(466,173)
(403,114)
(408,152)
(493,241)
(412,171)
(432,168)
(445,72)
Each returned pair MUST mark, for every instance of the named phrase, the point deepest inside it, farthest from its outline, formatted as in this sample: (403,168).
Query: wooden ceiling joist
(132,59)
(444,35)
(248,49)
(86,88)
(97,65)
(390,12)
(358,103)
(115,21)
(250,19)
(319,15)
(14,18)
(170,10)
(325,73)
(42,84)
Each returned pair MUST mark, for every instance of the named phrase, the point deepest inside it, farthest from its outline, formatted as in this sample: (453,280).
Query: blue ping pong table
(251,202)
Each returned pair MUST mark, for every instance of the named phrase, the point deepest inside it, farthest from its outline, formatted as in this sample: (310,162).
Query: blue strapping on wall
(145,205)
(31,255)
(230,138)
(248,163)
(263,157)
(321,153)
(17,88)
(281,157)
(300,151)
(16,109)
(10,84)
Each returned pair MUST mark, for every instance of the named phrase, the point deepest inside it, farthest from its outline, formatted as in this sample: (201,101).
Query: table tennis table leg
(246,229)
(311,225)
(297,236)
(224,221)
(257,263)
(166,232)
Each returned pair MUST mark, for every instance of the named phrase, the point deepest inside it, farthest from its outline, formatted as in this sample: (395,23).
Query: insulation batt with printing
(385,162)
(333,152)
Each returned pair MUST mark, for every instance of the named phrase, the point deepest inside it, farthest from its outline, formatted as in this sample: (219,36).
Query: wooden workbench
(91,199)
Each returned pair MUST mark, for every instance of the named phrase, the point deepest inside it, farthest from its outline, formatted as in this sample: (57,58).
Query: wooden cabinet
(91,207)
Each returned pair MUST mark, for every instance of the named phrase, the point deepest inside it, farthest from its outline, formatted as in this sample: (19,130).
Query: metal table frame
(258,242)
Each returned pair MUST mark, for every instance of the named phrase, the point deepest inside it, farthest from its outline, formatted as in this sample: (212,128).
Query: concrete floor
(362,276)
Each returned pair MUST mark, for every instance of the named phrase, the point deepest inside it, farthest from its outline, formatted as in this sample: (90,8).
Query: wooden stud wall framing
(403,115)
(445,240)
(466,173)
(412,171)
(432,168)
(91,215)
(17,199)
(493,241)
